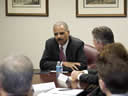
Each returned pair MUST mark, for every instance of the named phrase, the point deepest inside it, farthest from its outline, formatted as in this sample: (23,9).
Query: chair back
(91,54)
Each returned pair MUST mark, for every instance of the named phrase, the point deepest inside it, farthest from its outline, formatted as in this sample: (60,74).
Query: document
(61,92)
(65,91)
(43,87)
(63,78)
(50,94)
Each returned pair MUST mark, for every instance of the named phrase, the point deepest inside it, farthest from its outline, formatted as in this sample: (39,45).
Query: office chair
(91,54)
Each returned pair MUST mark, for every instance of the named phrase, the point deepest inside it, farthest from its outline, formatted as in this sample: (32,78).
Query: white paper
(63,78)
(65,91)
(43,87)
(50,94)
(61,92)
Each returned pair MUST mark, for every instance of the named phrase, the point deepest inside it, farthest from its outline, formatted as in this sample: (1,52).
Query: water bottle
(59,68)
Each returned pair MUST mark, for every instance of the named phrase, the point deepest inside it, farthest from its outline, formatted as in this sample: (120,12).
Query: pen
(65,89)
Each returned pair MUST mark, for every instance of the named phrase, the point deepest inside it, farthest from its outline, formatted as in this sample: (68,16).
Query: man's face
(61,35)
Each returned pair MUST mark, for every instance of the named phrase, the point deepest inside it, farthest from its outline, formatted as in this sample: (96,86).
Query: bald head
(16,74)
(17,63)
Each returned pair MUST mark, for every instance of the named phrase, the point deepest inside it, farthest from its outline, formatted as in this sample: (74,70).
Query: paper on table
(50,94)
(61,92)
(43,87)
(65,91)
(63,78)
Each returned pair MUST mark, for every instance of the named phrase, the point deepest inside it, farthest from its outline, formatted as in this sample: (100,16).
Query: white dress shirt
(84,72)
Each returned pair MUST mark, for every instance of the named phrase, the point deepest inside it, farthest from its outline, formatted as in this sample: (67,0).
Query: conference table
(45,77)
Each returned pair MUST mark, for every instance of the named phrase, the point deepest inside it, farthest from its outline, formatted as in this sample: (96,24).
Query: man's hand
(71,65)
(75,74)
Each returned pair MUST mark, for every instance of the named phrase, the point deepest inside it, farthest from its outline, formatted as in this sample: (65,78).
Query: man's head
(61,32)
(112,66)
(101,36)
(16,75)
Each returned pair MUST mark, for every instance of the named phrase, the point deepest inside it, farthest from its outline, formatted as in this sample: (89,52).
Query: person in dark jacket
(102,36)
(73,53)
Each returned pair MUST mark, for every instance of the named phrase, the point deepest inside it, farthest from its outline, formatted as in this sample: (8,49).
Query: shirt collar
(65,45)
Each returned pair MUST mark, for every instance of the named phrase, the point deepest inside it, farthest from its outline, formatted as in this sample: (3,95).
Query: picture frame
(101,8)
(27,8)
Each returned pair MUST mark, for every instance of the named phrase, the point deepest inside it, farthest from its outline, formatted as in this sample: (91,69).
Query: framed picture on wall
(101,8)
(26,7)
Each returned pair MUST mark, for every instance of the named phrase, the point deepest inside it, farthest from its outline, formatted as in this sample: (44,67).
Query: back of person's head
(115,49)
(112,66)
(103,34)
(16,75)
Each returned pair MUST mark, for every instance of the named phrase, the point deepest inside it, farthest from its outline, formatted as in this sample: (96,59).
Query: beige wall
(27,35)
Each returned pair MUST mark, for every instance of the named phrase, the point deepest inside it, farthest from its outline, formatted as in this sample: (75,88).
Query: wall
(27,35)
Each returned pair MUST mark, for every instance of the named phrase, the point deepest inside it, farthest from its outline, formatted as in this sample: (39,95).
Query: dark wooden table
(45,77)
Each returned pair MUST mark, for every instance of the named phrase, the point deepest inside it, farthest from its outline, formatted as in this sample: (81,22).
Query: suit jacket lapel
(57,50)
(69,50)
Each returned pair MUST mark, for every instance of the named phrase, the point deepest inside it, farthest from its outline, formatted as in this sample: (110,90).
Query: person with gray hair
(64,48)
(15,75)
(102,36)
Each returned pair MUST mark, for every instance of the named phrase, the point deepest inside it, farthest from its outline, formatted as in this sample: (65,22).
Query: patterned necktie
(61,55)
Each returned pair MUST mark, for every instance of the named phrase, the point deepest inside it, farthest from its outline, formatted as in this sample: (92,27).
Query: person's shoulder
(51,41)
(76,40)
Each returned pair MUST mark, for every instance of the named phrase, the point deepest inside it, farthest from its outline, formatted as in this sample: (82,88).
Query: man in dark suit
(73,55)
(102,36)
